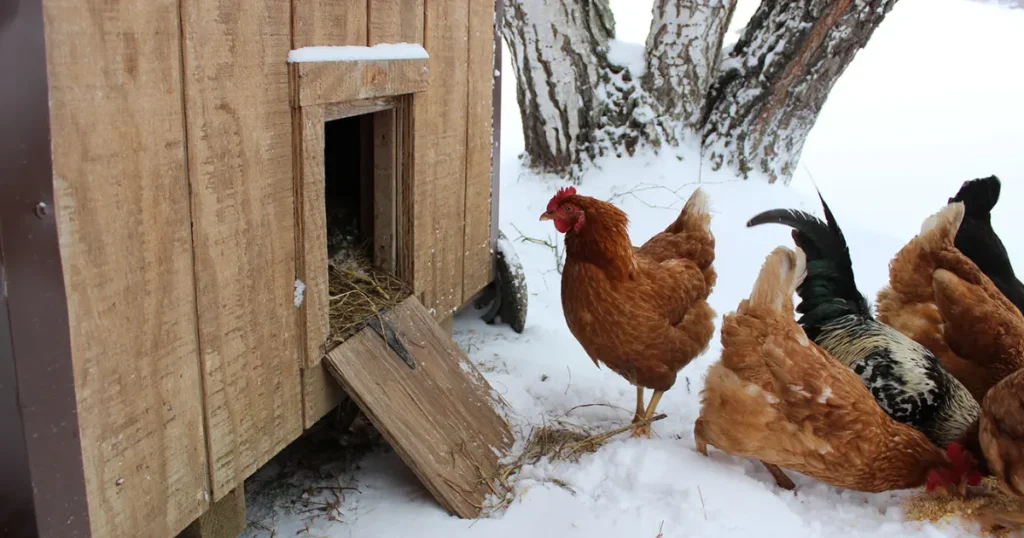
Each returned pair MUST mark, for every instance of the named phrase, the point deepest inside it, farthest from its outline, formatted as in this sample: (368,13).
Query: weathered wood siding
(122,200)
(239,128)
(175,181)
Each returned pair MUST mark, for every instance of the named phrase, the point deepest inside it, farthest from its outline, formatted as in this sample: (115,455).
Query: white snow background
(936,98)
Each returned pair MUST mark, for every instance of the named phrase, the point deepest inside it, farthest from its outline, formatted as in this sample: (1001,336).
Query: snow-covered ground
(934,99)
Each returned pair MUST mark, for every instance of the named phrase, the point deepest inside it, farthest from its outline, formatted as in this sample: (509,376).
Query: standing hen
(642,312)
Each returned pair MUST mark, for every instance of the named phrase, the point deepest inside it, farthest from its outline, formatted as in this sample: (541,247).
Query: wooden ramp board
(439,416)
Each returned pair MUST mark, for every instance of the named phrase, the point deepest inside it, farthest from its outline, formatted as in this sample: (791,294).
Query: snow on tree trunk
(682,53)
(575,104)
(777,77)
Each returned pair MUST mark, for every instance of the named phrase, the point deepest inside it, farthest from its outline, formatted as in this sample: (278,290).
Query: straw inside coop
(358,291)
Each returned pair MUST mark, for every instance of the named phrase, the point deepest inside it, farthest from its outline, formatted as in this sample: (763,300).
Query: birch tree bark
(682,53)
(777,77)
(575,103)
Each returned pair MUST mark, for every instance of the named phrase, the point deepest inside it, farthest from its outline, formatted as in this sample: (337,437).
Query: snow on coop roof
(382,51)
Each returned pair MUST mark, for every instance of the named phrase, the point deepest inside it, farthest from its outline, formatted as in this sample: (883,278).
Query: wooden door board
(439,417)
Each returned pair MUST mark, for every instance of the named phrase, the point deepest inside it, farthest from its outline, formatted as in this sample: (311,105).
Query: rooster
(641,311)
(782,399)
(906,379)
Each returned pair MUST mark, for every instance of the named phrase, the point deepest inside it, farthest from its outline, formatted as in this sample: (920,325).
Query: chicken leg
(700,439)
(644,428)
(639,415)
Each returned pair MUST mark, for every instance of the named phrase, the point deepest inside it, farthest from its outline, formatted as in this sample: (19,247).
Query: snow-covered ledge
(323,75)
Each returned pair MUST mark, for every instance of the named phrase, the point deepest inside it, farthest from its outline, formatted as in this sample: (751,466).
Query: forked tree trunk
(682,56)
(574,103)
(777,77)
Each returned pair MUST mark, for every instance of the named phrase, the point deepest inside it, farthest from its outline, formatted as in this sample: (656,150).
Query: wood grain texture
(405,246)
(122,206)
(239,130)
(225,519)
(320,393)
(440,159)
(311,232)
(440,418)
(347,109)
(328,22)
(385,185)
(333,82)
(476,263)
(395,21)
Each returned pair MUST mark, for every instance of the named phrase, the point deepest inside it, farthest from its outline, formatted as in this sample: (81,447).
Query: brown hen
(1001,436)
(941,299)
(778,397)
(642,312)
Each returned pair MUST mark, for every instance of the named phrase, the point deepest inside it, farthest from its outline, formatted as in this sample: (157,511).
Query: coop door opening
(361,199)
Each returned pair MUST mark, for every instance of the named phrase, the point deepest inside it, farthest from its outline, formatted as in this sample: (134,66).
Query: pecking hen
(642,312)
(970,330)
(778,397)
(906,379)
(978,240)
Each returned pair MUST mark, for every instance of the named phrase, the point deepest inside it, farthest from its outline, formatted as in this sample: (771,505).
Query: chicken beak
(547,215)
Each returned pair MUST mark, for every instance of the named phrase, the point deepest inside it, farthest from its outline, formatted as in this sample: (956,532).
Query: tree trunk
(682,54)
(574,103)
(777,77)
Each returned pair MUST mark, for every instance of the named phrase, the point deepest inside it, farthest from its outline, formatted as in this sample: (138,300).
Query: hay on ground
(358,291)
(557,441)
(988,498)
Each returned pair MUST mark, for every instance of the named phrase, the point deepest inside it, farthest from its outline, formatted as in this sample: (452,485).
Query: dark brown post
(42,485)
(496,132)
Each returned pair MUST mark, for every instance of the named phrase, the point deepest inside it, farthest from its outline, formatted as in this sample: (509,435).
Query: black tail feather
(978,195)
(829,290)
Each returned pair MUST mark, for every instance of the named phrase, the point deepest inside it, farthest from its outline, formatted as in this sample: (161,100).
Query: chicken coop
(191,190)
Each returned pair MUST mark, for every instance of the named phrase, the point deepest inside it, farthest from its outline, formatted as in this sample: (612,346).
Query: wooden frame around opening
(390,119)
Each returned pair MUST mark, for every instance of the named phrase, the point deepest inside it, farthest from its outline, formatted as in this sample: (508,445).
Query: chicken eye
(567,208)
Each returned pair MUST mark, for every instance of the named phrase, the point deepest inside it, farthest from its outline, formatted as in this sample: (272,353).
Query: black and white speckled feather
(906,379)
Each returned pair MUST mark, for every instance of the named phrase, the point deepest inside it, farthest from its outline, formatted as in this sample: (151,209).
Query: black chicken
(979,242)
(906,379)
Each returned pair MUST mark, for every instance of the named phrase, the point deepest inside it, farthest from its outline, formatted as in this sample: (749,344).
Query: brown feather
(642,312)
(778,397)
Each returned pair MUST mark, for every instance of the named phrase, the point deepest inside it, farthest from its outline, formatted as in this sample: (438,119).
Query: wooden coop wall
(174,178)
(445,177)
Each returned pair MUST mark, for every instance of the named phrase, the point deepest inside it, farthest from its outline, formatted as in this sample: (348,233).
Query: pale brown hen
(642,312)
(778,397)
(941,299)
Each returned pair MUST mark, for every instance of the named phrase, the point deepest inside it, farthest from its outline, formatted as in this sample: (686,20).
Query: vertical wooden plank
(320,394)
(328,22)
(405,167)
(240,166)
(440,159)
(311,231)
(384,187)
(476,272)
(395,21)
(121,193)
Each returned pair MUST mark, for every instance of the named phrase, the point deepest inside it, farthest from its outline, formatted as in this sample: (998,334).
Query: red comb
(562,194)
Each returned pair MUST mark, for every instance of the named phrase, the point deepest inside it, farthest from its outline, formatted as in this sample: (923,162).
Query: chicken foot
(643,428)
